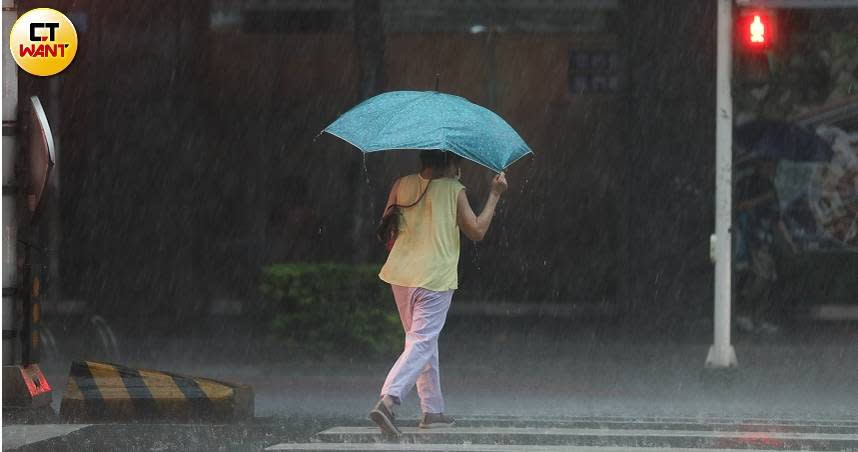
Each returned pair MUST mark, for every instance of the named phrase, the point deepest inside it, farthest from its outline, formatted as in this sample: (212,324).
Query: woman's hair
(437,159)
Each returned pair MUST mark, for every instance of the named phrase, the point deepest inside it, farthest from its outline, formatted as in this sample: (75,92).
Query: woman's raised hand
(499,184)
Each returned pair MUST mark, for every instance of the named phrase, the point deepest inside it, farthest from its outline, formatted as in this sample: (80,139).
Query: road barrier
(102,391)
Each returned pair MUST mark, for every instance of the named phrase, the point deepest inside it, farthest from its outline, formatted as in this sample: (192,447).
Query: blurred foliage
(332,308)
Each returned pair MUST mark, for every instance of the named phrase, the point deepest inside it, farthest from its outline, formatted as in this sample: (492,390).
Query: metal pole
(10,193)
(24,384)
(722,354)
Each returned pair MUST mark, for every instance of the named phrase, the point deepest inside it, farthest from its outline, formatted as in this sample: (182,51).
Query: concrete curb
(103,391)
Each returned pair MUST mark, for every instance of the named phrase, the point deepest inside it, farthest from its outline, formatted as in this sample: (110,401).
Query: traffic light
(756,30)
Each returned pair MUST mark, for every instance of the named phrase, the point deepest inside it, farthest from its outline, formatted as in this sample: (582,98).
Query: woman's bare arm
(475,226)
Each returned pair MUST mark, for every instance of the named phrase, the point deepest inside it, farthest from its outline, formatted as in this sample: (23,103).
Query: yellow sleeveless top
(426,251)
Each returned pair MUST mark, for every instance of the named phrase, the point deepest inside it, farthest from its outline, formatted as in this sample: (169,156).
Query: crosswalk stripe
(600,437)
(381,447)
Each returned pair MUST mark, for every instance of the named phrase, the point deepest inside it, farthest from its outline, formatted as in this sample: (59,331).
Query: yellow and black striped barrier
(103,391)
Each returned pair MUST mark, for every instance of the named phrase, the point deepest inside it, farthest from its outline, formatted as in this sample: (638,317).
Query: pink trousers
(423,313)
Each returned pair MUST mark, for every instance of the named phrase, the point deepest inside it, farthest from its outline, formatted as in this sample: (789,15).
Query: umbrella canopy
(431,120)
(779,140)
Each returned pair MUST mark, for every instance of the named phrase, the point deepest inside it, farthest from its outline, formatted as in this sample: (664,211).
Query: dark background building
(189,156)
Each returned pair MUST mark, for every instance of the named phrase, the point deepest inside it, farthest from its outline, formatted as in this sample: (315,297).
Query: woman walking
(429,209)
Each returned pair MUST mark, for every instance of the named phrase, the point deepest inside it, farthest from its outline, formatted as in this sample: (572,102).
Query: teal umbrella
(431,120)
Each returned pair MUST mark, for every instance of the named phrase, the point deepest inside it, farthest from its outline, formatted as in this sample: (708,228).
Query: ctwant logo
(43,41)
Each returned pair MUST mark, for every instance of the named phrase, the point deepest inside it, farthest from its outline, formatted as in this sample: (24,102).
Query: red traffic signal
(756,30)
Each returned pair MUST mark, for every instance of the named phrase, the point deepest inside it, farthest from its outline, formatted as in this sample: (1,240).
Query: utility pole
(10,198)
(721,353)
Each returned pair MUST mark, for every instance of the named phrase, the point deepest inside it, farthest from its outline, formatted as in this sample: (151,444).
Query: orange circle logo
(43,41)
